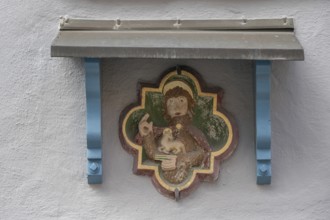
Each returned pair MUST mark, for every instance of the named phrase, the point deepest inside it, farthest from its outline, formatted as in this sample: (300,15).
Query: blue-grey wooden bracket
(263,124)
(94,137)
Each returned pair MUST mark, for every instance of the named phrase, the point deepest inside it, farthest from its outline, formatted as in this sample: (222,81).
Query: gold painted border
(214,154)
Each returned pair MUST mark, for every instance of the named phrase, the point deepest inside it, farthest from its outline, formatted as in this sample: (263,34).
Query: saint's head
(178,99)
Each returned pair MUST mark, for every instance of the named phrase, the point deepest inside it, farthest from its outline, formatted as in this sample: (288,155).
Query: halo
(177,83)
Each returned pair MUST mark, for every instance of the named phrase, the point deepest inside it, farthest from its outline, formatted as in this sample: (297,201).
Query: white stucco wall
(42,119)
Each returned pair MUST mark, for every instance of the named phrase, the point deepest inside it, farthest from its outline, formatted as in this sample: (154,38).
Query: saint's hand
(145,127)
(168,161)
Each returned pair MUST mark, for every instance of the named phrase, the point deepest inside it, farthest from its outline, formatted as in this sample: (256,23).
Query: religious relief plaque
(178,133)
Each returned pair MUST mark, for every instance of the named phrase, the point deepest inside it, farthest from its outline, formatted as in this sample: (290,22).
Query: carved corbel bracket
(263,125)
(94,136)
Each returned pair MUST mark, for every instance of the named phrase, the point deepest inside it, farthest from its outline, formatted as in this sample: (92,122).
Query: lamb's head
(167,132)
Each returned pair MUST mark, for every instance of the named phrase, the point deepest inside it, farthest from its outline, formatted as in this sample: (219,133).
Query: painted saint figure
(180,146)
(169,141)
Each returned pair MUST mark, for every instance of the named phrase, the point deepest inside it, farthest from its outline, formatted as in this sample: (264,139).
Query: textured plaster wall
(42,119)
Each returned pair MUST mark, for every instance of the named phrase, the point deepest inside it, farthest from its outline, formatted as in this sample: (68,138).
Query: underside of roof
(260,39)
